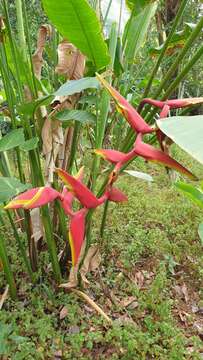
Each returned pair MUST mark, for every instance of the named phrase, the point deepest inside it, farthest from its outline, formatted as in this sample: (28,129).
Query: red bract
(76,234)
(116,195)
(174,103)
(80,191)
(150,153)
(127,110)
(34,198)
(115,156)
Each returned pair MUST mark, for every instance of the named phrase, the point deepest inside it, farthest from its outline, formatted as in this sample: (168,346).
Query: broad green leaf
(136,31)
(137,5)
(30,107)
(139,175)
(186,132)
(77,115)
(194,194)
(30,144)
(12,139)
(200,232)
(77,22)
(10,187)
(89,99)
(69,88)
(75,86)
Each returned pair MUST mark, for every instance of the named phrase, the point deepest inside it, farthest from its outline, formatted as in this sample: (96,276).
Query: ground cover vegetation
(100,252)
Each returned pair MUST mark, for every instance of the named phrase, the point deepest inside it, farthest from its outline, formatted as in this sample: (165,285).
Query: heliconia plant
(74,188)
(55,131)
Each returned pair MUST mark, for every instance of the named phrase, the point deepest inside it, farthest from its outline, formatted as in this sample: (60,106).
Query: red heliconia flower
(127,110)
(34,198)
(80,191)
(76,234)
(174,103)
(150,153)
(84,195)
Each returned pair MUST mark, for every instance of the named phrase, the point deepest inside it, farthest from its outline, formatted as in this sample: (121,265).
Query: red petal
(76,234)
(127,110)
(150,153)
(34,198)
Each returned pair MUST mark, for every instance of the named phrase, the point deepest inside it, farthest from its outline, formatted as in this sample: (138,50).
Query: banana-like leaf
(136,31)
(30,144)
(200,232)
(77,22)
(10,187)
(186,132)
(78,115)
(194,194)
(76,86)
(137,5)
(13,139)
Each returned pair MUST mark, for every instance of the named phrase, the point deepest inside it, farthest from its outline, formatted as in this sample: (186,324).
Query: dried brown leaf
(63,313)
(139,279)
(71,63)
(44,32)
(182,292)
(91,262)
(4,297)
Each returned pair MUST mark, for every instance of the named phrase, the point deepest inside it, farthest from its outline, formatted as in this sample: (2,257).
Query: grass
(149,283)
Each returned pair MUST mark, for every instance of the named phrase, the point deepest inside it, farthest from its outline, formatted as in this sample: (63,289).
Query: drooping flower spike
(127,110)
(34,198)
(150,153)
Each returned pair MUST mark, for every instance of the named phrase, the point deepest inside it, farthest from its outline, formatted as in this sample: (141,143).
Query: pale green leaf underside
(77,115)
(186,132)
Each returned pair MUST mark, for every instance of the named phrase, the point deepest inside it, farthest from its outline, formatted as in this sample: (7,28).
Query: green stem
(106,205)
(178,79)
(164,48)
(21,247)
(176,63)
(7,268)
(20,28)
(50,242)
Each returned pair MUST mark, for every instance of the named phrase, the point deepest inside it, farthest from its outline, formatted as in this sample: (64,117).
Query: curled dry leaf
(182,292)
(129,302)
(91,262)
(73,277)
(63,313)
(4,297)
(45,31)
(139,279)
(71,63)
